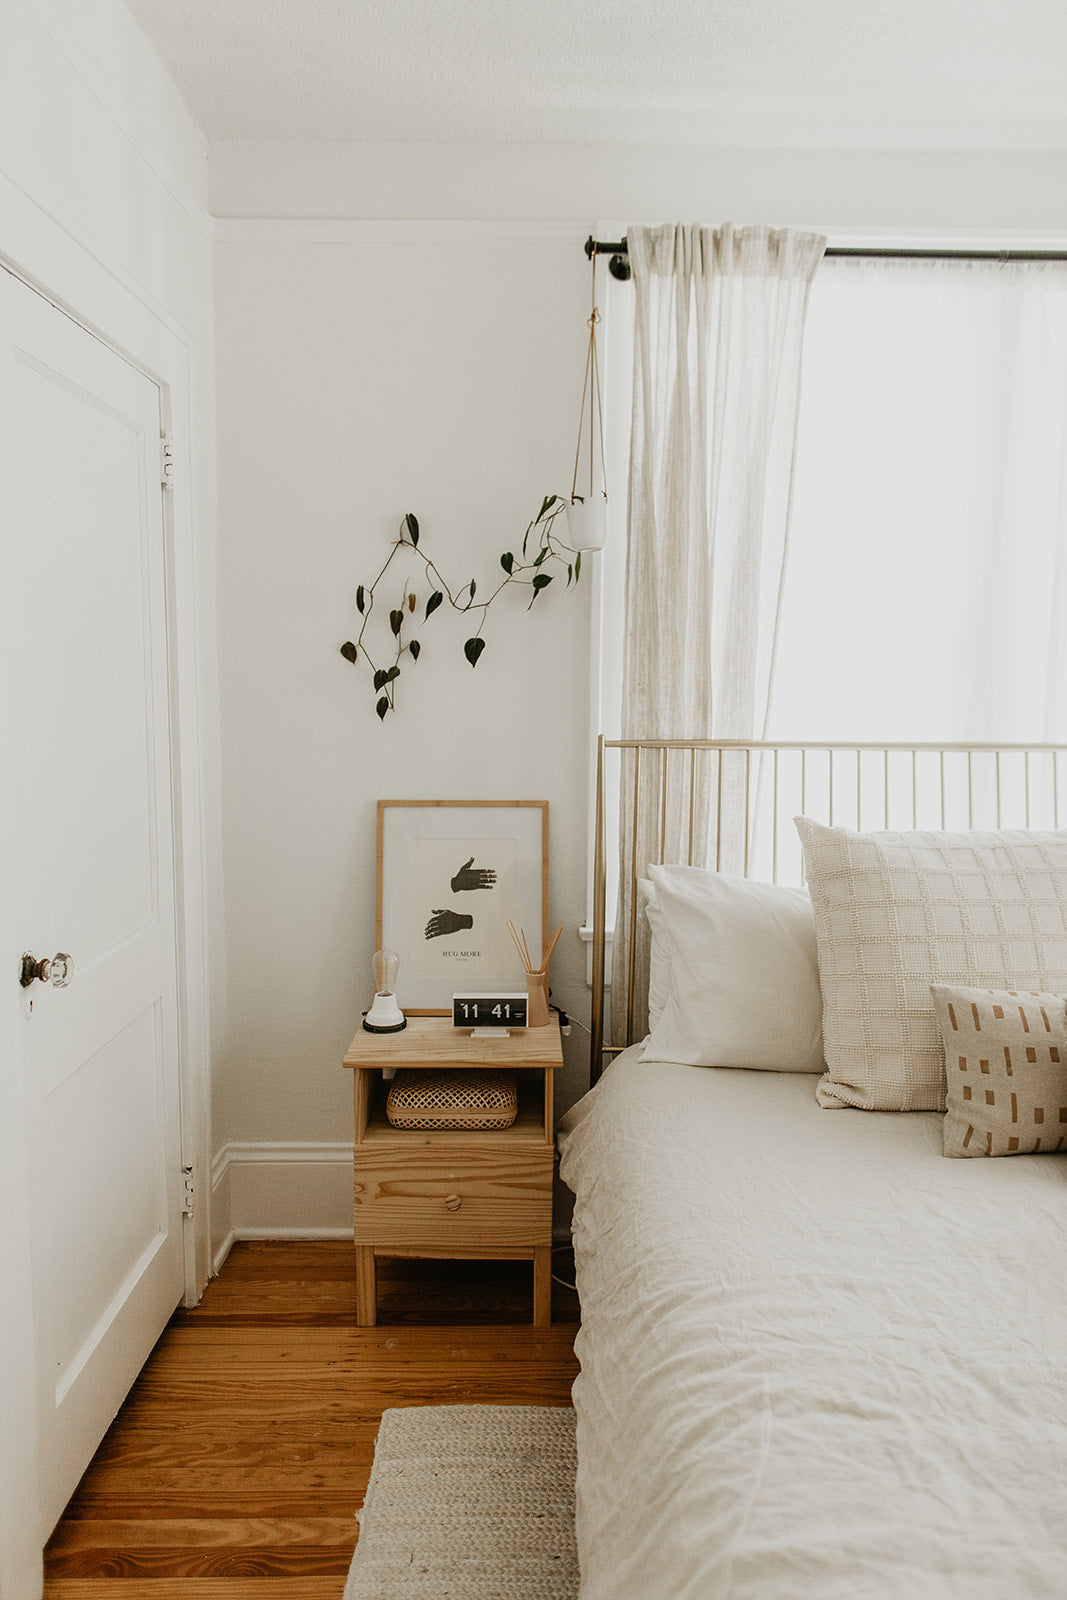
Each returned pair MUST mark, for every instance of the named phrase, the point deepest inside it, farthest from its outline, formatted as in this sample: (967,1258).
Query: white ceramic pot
(587,523)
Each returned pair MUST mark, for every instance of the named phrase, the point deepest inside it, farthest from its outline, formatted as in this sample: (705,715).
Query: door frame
(53,255)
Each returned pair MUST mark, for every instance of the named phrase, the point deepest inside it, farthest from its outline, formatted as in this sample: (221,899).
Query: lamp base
(385,1016)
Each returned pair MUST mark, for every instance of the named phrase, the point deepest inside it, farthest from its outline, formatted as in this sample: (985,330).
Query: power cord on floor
(563,1282)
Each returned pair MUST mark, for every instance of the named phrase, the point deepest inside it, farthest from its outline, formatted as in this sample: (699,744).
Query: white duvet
(819,1361)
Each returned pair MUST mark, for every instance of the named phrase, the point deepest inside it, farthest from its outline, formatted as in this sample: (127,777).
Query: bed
(818,1359)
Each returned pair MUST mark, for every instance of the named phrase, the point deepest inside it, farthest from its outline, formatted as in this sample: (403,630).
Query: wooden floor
(235,1468)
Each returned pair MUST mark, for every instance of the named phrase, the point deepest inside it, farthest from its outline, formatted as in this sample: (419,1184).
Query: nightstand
(454,1195)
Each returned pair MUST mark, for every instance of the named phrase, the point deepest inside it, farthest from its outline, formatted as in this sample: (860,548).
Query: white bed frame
(862,786)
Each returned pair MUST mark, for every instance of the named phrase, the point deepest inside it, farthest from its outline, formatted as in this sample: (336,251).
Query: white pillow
(659,973)
(744,985)
(897,912)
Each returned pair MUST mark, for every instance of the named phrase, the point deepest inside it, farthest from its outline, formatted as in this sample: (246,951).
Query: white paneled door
(94,868)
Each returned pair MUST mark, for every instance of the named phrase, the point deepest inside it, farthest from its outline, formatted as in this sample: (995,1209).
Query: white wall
(367,368)
(103,205)
(358,382)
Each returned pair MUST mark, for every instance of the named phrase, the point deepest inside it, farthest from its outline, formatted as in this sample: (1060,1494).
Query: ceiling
(890,74)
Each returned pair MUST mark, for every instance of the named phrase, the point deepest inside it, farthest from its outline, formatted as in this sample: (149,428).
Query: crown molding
(421,231)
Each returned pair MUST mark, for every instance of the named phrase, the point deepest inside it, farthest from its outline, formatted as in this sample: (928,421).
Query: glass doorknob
(58,971)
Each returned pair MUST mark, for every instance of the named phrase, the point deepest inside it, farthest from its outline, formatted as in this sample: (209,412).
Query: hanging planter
(587,512)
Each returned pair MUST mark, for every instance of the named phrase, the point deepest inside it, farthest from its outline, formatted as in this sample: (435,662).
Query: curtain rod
(619,266)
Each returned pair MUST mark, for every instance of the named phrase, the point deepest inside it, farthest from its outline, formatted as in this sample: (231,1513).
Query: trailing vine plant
(541,548)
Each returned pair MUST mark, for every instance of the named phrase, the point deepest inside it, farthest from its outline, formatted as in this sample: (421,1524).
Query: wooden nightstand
(483,1195)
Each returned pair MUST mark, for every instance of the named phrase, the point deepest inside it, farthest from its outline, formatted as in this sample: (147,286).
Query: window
(927,576)
(924,593)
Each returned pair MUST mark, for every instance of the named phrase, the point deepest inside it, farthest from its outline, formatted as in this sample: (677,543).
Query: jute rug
(469,1503)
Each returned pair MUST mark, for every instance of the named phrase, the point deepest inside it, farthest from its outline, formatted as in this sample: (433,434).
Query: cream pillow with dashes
(897,912)
(1005,1071)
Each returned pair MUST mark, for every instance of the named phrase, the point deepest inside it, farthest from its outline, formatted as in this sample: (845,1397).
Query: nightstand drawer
(469,1197)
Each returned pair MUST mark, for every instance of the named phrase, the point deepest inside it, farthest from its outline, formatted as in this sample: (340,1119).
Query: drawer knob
(453,1202)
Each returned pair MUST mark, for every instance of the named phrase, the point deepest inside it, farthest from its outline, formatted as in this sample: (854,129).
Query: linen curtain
(718,338)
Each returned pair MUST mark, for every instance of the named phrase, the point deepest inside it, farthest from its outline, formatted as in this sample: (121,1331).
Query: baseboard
(219,1256)
(266,1190)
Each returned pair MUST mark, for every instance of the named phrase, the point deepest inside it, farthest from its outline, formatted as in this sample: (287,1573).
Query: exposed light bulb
(386,968)
(385,1015)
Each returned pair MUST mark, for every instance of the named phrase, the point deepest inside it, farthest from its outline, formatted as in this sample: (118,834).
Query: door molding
(52,254)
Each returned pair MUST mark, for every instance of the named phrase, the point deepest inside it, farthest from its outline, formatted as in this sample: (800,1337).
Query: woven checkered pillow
(897,912)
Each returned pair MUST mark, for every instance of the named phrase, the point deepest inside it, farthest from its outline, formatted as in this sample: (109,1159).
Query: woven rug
(469,1503)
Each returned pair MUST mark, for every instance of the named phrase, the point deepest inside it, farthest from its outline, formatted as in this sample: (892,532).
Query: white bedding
(819,1360)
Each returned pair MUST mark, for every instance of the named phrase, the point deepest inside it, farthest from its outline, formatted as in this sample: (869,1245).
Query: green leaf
(394,672)
(473,587)
(507,561)
(577,566)
(396,621)
(542,580)
(415,647)
(360,605)
(411,527)
(433,602)
(383,706)
(570,574)
(349,651)
(473,649)
(542,555)
(381,678)
(550,499)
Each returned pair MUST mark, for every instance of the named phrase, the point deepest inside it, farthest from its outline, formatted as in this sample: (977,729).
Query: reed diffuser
(537,1012)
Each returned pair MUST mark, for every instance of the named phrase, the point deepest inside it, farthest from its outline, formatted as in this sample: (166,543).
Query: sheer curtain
(925,592)
(718,336)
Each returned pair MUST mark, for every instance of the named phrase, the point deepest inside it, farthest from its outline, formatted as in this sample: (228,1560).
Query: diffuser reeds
(518,936)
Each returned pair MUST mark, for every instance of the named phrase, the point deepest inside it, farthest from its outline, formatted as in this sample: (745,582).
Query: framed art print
(451,875)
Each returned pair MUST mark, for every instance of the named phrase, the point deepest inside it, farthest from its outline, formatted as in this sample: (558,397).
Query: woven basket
(443,1099)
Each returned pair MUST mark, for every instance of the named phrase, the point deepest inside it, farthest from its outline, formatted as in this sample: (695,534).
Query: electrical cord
(565,1020)
(563,1282)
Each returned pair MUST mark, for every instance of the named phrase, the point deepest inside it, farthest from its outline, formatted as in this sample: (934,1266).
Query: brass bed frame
(754,788)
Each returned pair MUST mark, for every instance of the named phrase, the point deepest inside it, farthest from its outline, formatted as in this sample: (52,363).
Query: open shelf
(528,1127)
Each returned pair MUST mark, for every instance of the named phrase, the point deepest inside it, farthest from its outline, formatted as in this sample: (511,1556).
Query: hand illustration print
(471,877)
(444,921)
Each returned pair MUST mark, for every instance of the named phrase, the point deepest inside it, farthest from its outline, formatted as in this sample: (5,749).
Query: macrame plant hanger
(587,514)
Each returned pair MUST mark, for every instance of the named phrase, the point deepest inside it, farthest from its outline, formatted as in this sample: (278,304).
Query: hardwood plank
(261,1445)
(326,1587)
(132,1563)
(205,1533)
(236,1504)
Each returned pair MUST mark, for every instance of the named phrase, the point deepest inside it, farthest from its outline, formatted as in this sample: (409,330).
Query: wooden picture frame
(451,873)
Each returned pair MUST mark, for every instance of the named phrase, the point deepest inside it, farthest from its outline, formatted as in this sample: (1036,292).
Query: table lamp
(385,1015)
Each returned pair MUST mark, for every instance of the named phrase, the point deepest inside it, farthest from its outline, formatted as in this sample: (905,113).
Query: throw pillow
(1005,1071)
